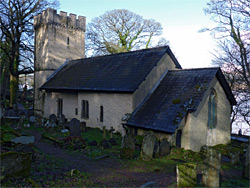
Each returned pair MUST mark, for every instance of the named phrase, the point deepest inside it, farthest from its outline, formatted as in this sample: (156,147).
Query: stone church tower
(57,38)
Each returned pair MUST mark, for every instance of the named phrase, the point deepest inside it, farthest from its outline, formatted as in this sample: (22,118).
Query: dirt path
(109,172)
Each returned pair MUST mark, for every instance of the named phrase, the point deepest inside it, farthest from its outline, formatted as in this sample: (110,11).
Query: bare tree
(120,31)
(16,29)
(233,53)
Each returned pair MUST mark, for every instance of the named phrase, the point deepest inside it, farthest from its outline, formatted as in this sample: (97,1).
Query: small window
(68,41)
(101,113)
(76,111)
(59,106)
(85,109)
(212,110)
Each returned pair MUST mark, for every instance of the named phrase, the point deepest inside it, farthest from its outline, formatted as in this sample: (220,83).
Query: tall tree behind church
(233,35)
(120,30)
(17,39)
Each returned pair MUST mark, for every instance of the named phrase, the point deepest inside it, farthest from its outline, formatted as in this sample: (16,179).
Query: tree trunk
(13,89)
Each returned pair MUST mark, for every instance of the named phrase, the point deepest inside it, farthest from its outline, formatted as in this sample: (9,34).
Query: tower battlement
(50,16)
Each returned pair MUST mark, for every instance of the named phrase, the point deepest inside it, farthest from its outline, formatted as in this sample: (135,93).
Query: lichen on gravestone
(186,175)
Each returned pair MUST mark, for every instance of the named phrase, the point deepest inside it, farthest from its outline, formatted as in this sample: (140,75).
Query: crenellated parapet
(50,16)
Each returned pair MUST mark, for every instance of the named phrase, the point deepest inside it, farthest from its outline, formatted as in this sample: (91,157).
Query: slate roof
(121,72)
(179,91)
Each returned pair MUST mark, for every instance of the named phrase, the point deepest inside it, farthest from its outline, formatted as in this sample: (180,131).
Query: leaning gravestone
(211,171)
(147,148)
(128,146)
(164,148)
(186,175)
(23,140)
(74,127)
(246,165)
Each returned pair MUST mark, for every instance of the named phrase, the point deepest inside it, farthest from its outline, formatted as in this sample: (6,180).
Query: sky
(181,20)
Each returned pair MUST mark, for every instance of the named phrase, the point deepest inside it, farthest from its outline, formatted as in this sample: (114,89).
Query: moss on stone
(186,176)
(16,164)
(176,101)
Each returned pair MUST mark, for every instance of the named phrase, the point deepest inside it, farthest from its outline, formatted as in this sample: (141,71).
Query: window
(59,106)
(68,41)
(76,111)
(85,109)
(212,110)
(101,113)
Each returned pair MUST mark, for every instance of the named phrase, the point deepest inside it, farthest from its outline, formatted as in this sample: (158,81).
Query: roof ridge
(129,52)
(190,69)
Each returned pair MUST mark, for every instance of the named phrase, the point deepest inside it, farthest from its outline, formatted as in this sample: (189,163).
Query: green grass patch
(240,182)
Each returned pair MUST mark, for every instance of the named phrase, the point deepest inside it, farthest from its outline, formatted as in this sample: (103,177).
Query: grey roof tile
(118,72)
(179,91)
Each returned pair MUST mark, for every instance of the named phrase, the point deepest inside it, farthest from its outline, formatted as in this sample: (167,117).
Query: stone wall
(57,38)
(115,106)
(153,79)
(196,133)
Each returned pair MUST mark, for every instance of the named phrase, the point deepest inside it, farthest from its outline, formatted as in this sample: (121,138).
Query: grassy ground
(51,171)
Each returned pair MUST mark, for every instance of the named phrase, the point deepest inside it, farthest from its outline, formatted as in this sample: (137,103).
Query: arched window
(101,113)
(212,110)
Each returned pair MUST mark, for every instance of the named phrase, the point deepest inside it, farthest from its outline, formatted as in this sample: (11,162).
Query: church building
(142,90)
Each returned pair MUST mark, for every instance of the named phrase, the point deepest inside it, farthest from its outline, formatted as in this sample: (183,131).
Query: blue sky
(180,19)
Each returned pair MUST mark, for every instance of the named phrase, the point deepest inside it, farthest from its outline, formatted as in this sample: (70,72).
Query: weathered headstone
(246,165)
(32,119)
(111,130)
(52,121)
(148,144)
(156,152)
(83,126)
(164,148)
(52,118)
(61,119)
(105,144)
(16,164)
(11,113)
(74,127)
(211,169)
(23,140)
(186,175)
(128,146)
(234,157)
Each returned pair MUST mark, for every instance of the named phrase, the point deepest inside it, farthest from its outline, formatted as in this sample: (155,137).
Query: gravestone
(246,164)
(74,127)
(156,152)
(52,121)
(52,118)
(61,119)
(83,126)
(164,148)
(186,175)
(11,113)
(211,168)
(16,164)
(32,119)
(234,157)
(111,130)
(128,146)
(147,148)
(23,140)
